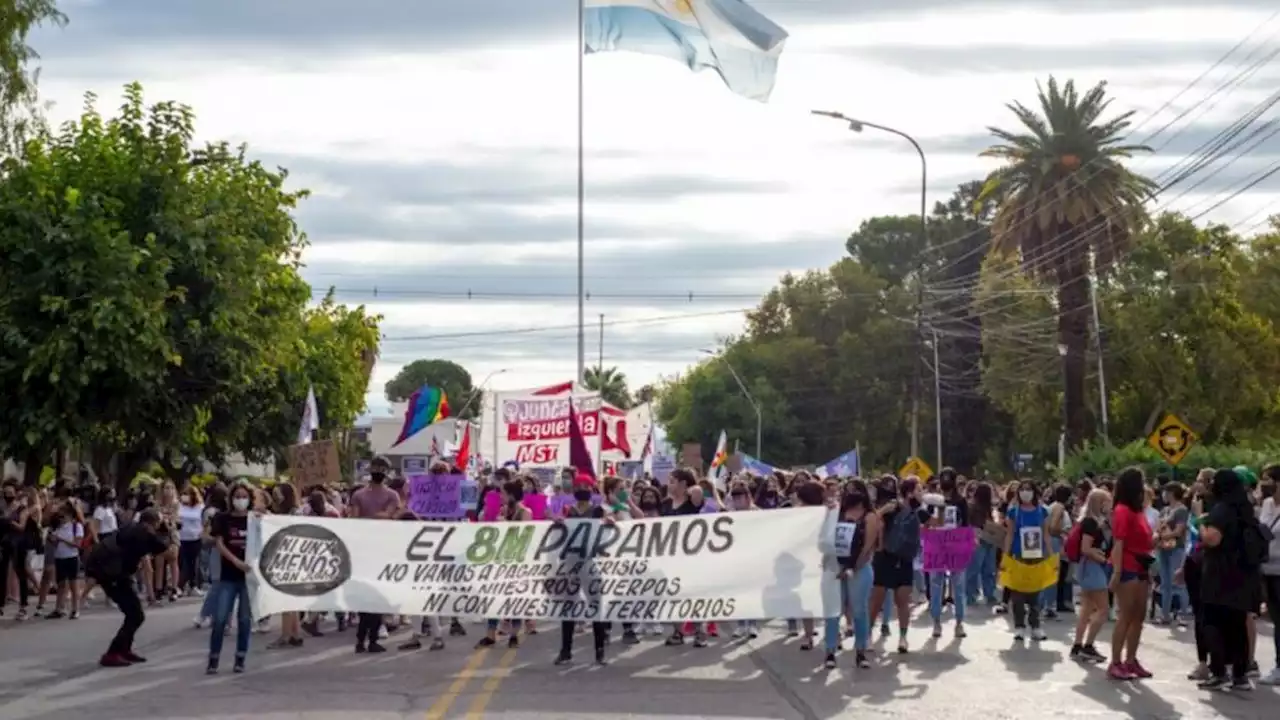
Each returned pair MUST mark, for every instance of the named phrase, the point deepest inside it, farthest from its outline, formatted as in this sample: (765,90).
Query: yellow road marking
(442,704)
(490,688)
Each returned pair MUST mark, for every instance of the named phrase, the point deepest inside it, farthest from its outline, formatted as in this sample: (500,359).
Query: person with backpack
(1230,582)
(1086,548)
(112,564)
(892,566)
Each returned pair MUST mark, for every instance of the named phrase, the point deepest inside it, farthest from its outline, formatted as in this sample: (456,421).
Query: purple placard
(436,496)
(949,550)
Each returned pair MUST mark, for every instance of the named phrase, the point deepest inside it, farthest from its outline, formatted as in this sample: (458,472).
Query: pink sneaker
(1120,671)
(1135,668)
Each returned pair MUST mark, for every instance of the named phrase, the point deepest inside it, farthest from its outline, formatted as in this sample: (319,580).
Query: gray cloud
(700,270)
(1012,57)
(1179,140)
(513,180)
(279,26)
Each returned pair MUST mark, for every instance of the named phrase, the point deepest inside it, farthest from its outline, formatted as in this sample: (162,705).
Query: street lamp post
(745,393)
(858,126)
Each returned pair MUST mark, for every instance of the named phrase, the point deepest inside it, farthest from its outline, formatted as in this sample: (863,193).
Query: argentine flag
(727,36)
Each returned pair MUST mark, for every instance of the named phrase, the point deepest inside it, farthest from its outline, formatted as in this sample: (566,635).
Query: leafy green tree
(17,78)
(464,399)
(86,301)
(1063,196)
(610,383)
(1181,336)
(153,297)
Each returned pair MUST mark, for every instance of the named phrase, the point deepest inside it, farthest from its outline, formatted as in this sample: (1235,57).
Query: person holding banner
(513,510)
(856,530)
(231,534)
(583,509)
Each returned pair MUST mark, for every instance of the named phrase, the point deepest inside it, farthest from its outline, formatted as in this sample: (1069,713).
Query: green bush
(1111,459)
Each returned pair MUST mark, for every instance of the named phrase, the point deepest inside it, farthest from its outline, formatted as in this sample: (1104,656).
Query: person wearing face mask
(767,497)
(856,531)
(190,528)
(901,519)
(230,533)
(1024,569)
(112,564)
(512,510)
(582,509)
(376,500)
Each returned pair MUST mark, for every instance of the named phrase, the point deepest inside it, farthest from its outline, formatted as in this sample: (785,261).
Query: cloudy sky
(439,137)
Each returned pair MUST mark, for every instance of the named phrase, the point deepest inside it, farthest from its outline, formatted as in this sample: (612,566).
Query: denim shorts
(1129,575)
(1092,576)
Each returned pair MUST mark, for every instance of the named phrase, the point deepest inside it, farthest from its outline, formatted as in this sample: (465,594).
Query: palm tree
(610,383)
(1064,197)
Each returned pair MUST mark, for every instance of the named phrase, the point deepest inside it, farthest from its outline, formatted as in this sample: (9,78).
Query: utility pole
(856,125)
(600,361)
(937,396)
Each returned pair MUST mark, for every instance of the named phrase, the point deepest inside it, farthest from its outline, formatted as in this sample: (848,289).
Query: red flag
(579,456)
(464,447)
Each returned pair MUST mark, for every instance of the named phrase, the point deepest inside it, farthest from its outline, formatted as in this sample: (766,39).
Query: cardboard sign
(947,550)
(691,456)
(315,463)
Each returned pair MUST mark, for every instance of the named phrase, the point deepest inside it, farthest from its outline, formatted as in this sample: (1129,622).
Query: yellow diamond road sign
(1172,439)
(916,466)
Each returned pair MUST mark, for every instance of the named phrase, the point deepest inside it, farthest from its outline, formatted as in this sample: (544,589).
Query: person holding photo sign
(856,530)
(1024,554)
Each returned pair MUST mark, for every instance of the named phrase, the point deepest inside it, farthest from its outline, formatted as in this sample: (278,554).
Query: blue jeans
(1169,561)
(937,592)
(215,571)
(855,592)
(230,593)
(982,573)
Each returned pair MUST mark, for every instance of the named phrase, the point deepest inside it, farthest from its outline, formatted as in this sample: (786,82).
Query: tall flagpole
(582,310)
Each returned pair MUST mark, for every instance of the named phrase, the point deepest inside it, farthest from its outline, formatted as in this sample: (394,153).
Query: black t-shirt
(685,508)
(1090,527)
(118,557)
(594,512)
(1224,581)
(234,531)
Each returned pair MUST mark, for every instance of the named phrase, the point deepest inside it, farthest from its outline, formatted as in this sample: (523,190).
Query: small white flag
(310,418)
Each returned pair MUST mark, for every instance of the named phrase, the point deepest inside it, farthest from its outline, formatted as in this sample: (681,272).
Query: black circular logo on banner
(305,561)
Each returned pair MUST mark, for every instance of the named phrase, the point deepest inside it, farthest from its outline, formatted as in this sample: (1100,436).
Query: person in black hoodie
(1229,587)
(112,564)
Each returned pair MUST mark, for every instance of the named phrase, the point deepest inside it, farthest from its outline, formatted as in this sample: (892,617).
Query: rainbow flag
(427,405)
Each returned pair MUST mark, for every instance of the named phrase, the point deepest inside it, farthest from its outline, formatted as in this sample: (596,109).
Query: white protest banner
(725,566)
(533,429)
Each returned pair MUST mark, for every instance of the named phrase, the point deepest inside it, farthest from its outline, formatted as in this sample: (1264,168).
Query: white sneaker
(1039,634)
(382,632)
(1271,678)
(202,623)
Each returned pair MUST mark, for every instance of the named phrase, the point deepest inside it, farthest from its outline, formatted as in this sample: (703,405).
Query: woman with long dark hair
(1229,583)
(981,574)
(1131,559)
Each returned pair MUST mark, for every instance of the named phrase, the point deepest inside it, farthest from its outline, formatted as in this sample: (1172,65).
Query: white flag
(310,418)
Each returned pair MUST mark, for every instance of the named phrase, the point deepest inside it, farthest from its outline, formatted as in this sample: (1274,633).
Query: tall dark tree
(1064,197)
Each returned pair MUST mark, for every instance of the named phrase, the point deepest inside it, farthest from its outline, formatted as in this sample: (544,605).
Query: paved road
(48,672)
